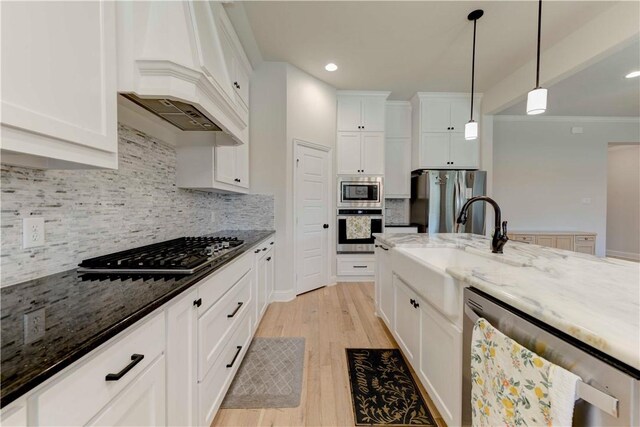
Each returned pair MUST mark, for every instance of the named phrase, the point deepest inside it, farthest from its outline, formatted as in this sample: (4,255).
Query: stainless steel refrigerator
(438,195)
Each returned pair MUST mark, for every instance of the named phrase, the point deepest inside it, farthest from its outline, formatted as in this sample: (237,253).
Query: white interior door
(312,201)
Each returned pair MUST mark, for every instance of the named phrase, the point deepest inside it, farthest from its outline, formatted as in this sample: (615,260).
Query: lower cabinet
(432,344)
(265,277)
(407,320)
(142,403)
(577,242)
(384,286)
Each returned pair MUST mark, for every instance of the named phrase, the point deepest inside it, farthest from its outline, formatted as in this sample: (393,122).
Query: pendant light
(537,98)
(471,128)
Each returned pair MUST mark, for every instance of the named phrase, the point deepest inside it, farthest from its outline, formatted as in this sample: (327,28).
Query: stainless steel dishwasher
(609,394)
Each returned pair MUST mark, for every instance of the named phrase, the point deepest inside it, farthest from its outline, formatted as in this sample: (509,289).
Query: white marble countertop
(596,300)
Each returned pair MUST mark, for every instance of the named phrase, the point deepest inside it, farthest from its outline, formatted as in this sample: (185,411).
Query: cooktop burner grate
(184,255)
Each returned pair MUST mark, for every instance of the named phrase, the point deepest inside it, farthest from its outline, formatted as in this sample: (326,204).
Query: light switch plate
(32,232)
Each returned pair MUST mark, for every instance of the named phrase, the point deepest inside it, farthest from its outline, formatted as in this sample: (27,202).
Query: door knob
(325,225)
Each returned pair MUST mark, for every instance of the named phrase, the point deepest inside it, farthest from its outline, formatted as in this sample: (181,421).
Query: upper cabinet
(361,111)
(397,175)
(187,52)
(361,125)
(59,97)
(438,121)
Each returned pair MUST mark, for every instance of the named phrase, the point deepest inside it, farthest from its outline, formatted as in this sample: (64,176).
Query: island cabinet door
(407,321)
(441,362)
(384,285)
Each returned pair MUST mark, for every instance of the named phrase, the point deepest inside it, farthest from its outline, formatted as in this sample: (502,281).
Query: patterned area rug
(383,391)
(270,375)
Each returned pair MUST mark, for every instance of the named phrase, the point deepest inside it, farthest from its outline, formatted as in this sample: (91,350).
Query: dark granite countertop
(80,315)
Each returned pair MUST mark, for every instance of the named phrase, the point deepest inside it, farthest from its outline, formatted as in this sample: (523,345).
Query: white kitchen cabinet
(264,261)
(59,84)
(142,403)
(361,111)
(360,153)
(438,121)
(569,241)
(397,119)
(220,166)
(407,320)
(384,285)
(397,173)
(182,360)
(440,365)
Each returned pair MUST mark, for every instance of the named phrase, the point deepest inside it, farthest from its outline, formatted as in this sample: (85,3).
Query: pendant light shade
(471,128)
(537,98)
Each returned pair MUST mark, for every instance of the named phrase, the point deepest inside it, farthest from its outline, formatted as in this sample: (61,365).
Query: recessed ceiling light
(629,76)
(331,66)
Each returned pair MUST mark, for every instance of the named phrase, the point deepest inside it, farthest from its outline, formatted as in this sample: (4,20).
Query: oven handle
(584,391)
(344,216)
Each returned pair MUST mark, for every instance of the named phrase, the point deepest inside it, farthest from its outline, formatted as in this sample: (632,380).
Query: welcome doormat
(383,391)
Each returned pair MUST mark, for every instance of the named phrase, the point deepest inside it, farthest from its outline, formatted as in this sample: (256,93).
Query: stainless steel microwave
(360,192)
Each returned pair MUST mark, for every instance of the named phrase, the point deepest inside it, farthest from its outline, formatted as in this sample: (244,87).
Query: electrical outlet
(213,216)
(34,326)
(586,200)
(32,232)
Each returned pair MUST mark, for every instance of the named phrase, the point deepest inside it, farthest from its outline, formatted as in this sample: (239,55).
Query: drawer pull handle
(359,266)
(256,251)
(235,311)
(135,359)
(269,259)
(271,243)
(239,348)
(198,302)
(264,249)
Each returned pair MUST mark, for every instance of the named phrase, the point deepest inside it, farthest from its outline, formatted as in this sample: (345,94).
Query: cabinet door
(434,150)
(549,241)
(270,276)
(461,113)
(262,286)
(407,321)
(373,112)
(241,77)
(385,286)
(59,80)
(141,403)
(349,113)
(585,244)
(372,153)
(397,171)
(564,242)
(441,363)
(348,152)
(397,121)
(225,169)
(436,115)
(242,165)
(182,361)
(463,153)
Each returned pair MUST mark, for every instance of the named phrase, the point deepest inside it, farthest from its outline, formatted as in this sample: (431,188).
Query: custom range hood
(183,116)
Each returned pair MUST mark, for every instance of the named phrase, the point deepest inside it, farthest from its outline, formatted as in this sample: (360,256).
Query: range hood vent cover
(184,116)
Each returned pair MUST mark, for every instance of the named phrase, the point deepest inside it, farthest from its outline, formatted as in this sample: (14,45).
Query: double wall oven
(359,198)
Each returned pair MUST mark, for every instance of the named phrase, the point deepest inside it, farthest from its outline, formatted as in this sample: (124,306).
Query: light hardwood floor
(331,319)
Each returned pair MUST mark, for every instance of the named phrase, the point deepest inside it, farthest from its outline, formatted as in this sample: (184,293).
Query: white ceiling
(407,47)
(599,90)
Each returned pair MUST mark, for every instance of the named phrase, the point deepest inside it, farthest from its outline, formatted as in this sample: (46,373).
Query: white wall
(623,201)
(542,172)
(287,104)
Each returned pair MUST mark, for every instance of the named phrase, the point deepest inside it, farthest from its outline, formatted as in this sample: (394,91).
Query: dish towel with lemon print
(511,385)
(358,227)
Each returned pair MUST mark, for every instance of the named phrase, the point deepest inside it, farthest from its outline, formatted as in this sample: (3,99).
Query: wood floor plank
(330,319)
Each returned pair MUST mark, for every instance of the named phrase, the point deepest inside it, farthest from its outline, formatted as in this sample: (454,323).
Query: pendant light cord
(473,65)
(539,31)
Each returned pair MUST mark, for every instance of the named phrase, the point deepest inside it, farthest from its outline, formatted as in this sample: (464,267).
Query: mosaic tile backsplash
(396,211)
(94,212)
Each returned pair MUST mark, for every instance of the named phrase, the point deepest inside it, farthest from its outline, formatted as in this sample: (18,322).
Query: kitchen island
(593,300)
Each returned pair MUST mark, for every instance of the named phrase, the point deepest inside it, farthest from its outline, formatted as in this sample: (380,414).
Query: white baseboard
(626,255)
(283,296)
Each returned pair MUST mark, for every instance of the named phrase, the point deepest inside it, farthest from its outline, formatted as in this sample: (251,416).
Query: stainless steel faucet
(499,238)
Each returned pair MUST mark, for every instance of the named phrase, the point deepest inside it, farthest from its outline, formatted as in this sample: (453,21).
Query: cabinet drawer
(215,326)
(356,267)
(526,238)
(214,386)
(263,249)
(581,239)
(80,394)
(213,287)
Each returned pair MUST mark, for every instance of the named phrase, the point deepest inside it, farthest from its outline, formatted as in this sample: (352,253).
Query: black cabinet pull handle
(198,302)
(264,249)
(256,251)
(235,311)
(271,243)
(135,359)
(325,225)
(412,302)
(359,266)
(417,304)
(269,259)
(235,357)
(386,249)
